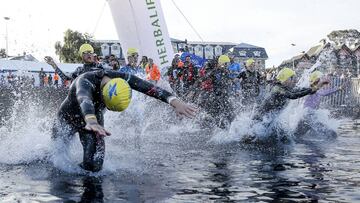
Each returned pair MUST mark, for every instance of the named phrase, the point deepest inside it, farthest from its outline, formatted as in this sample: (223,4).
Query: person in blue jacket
(234,71)
(132,67)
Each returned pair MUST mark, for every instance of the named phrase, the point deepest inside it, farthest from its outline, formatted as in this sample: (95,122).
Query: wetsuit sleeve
(142,86)
(327,92)
(298,93)
(84,92)
(62,75)
(76,73)
(241,75)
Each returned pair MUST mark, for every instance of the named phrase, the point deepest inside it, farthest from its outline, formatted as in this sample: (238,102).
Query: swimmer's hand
(93,125)
(183,109)
(49,60)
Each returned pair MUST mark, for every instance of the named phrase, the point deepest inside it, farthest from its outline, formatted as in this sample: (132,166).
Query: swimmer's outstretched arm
(84,92)
(299,93)
(49,60)
(154,91)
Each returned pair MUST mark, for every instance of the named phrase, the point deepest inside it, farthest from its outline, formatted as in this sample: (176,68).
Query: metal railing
(349,96)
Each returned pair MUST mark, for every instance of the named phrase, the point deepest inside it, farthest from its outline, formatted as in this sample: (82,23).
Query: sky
(36,25)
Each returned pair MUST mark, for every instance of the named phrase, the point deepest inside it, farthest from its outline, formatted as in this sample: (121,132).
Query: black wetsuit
(217,102)
(79,70)
(250,86)
(85,98)
(278,97)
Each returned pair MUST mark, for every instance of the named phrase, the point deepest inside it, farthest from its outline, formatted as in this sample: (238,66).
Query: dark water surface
(190,169)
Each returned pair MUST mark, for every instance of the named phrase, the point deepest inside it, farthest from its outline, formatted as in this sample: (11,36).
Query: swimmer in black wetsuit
(274,102)
(82,112)
(280,94)
(86,52)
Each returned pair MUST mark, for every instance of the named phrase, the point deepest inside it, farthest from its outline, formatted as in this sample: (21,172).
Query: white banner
(140,24)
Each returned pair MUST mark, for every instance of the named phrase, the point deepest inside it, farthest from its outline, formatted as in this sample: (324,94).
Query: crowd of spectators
(32,79)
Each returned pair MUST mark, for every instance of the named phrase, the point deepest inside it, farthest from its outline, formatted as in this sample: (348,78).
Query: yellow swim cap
(223,59)
(117,94)
(250,61)
(131,51)
(314,76)
(85,48)
(285,74)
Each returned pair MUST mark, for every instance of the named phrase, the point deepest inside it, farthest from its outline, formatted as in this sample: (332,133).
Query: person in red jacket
(189,76)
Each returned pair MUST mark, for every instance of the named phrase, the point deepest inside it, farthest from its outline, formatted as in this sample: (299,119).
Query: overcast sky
(36,25)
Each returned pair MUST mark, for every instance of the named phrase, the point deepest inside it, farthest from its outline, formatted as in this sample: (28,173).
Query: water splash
(144,128)
(24,137)
(288,120)
(323,62)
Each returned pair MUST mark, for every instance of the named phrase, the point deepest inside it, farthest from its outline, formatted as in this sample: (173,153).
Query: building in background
(208,50)
(337,59)
(339,54)
(109,47)
(243,52)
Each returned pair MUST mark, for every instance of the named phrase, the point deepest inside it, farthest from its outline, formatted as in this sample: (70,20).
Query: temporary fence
(348,96)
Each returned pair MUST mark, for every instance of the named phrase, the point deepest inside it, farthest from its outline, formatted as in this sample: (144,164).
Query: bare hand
(49,60)
(98,129)
(183,109)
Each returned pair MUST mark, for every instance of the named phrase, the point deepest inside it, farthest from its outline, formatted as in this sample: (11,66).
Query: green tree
(68,51)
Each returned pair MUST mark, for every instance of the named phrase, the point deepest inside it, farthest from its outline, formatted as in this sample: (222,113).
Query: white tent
(15,65)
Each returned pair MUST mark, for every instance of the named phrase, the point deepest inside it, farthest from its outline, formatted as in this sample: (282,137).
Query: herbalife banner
(140,24)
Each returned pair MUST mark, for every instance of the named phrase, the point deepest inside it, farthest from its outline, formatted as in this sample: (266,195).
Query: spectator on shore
(144,61)
(66,83)
(115,65)
(46,80)
(50,80)
(32,80)
(10,79)
(189,75)
(152,72)
(56,79)
(41,77)
(172,73)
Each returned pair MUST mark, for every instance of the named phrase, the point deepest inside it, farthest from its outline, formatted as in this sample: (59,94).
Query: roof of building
(211,43)
(249,51)
(295,58)
(343,46)
(356,48)
(106,41)
(27,57)
(202,42)
(176,40)
(245,45)
(314,51)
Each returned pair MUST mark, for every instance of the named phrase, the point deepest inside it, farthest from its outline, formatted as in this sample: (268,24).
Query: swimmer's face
(88,57)
(132,59)
(251,67)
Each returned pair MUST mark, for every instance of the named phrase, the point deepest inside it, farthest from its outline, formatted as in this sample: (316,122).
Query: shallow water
(186,167)
(152,157)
